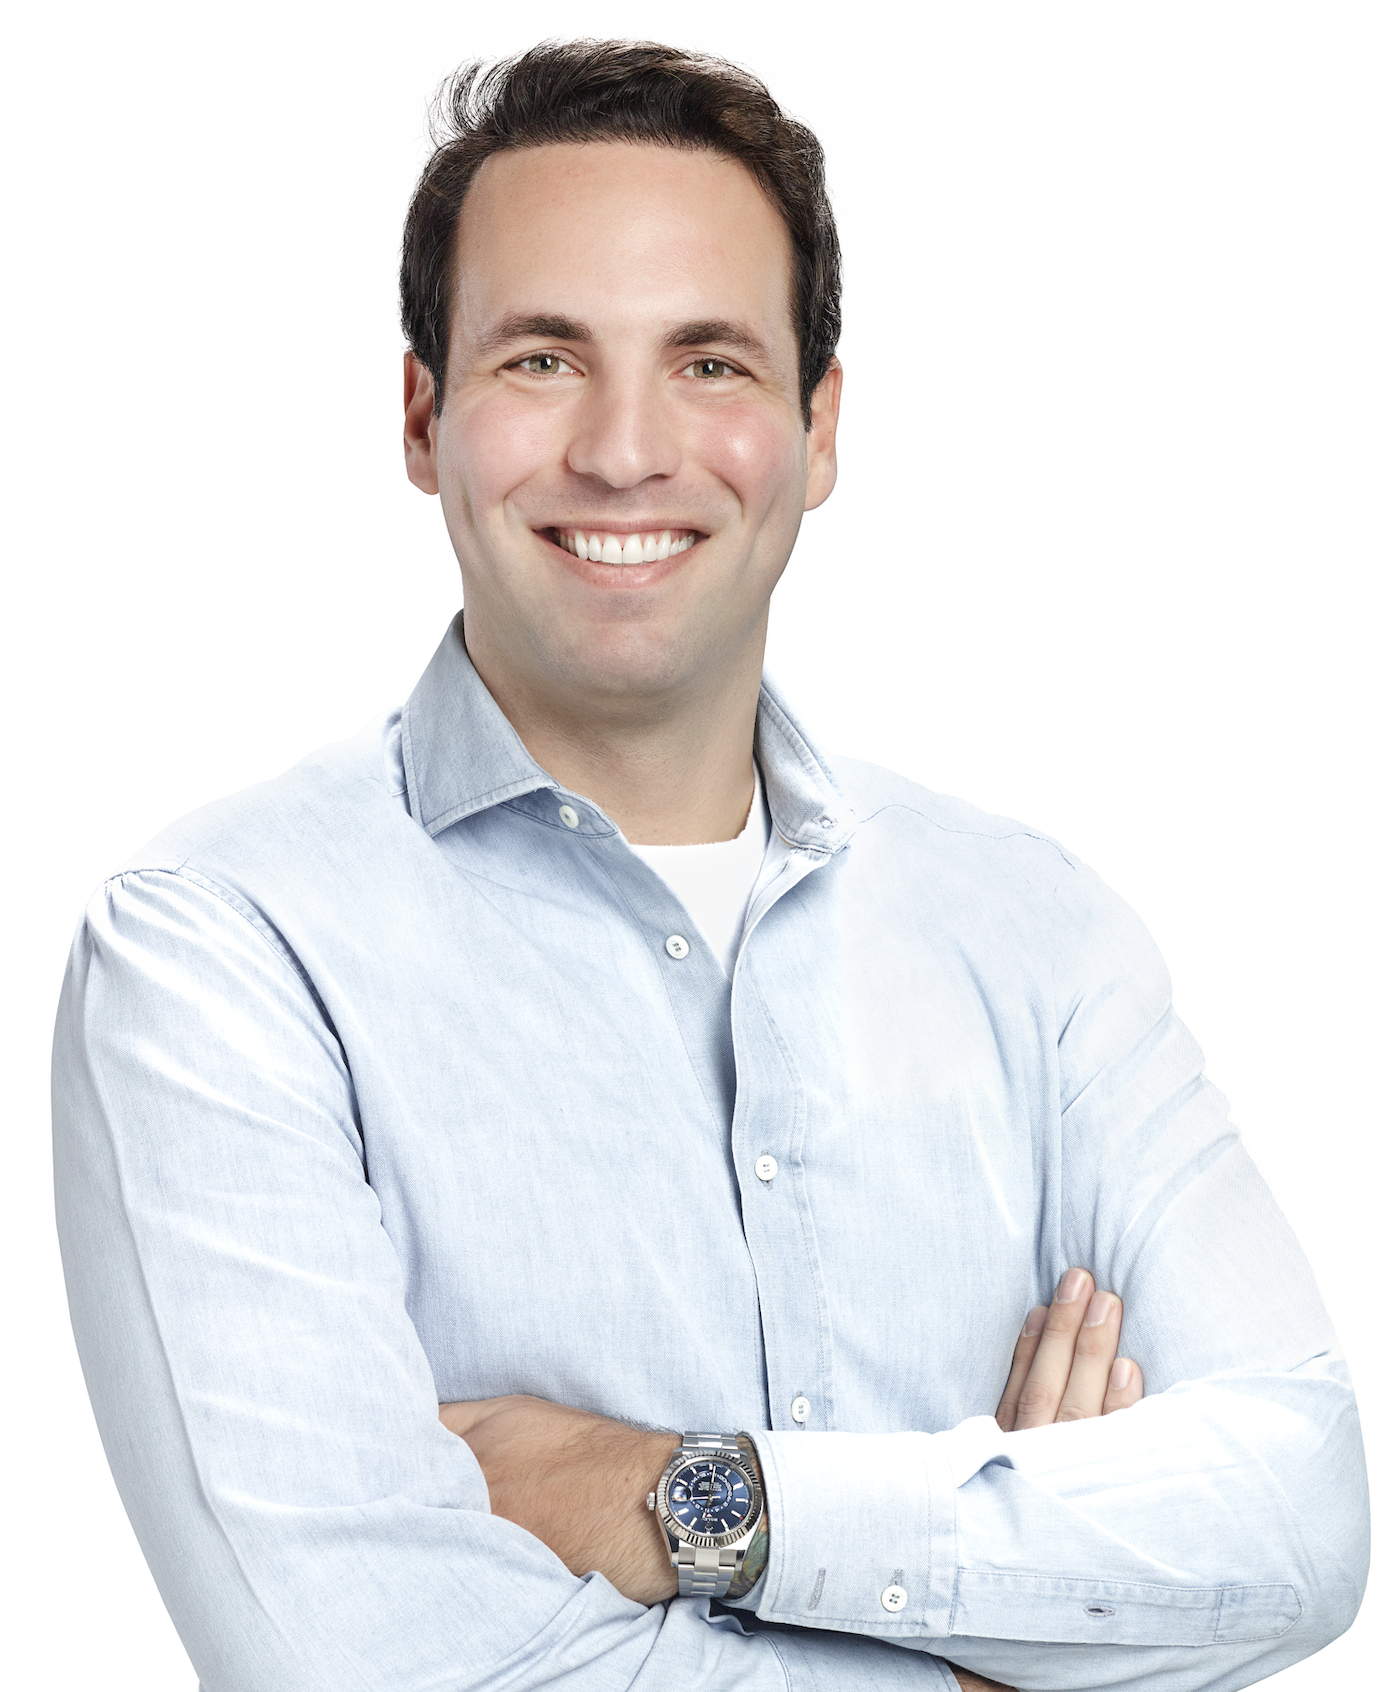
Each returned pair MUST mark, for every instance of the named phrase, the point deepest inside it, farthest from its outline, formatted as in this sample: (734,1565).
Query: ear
(419,424)
(824,424)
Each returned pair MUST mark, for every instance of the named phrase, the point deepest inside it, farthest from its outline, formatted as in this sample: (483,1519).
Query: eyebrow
(530,325)
(715,331)
(545,326)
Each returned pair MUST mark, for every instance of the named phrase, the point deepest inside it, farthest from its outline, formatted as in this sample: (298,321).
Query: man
(577,1058)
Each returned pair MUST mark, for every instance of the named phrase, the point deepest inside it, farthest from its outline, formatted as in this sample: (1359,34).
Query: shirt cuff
(863,1527)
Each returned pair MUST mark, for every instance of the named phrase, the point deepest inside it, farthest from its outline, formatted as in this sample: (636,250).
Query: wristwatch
(709,1505)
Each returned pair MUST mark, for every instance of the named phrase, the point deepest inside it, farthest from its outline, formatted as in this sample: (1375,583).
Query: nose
(624,432)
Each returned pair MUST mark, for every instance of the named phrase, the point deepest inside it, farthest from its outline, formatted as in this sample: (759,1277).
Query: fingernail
(1071,1286)
(1037,1320)
(1098,1309)
(1120,1371)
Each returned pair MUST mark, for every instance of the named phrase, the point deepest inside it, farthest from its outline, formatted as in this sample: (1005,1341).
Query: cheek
(756,453)
(497,446)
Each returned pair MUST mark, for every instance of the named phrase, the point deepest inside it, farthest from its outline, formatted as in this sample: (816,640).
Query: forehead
(621,234)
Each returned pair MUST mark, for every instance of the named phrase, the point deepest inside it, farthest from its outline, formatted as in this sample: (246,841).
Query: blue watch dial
(709,1496)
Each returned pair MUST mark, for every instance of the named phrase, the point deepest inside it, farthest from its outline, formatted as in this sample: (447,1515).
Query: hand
(971,1682)
(1064,1365)
(577,1482)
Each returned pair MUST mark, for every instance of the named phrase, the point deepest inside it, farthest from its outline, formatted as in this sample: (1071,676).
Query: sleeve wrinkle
(255,920)
(1119,1065)
(123,1212)
(272,937)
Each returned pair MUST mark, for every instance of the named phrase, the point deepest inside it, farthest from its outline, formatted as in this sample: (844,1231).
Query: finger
(1023,1353)
(1096,1345)
(1041,1396)
(1126,1385)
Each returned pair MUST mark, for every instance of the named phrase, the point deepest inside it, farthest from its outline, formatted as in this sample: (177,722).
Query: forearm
(576,1481)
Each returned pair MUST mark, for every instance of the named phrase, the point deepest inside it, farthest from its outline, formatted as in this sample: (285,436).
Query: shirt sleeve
(1209,1536)
(265,1403)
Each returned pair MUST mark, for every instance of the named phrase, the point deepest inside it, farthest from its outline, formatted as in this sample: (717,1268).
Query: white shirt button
(676,946)
(894,1598)
(569,816)
(799,1410)
(826,822)
(766,1167)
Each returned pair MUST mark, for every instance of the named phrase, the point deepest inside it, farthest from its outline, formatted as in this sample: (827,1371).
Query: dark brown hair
(636,91)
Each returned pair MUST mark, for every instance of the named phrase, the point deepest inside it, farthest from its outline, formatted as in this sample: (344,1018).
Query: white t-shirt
(716,882)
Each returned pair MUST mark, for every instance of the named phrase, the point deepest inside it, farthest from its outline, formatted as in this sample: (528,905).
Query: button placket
(769,1123)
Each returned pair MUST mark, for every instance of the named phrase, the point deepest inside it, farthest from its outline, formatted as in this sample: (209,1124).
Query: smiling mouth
(602,546)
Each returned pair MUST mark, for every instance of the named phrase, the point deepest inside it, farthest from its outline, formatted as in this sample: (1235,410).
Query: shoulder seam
(1018,832)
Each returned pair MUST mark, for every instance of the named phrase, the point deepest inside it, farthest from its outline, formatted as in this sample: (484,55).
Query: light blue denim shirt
(377,1086)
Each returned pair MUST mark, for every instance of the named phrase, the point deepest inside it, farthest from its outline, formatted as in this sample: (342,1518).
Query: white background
(1110,550)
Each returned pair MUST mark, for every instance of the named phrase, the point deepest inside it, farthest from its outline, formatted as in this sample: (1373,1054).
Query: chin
(628,668)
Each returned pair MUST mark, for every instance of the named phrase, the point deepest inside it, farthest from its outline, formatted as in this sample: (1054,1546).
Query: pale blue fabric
(376,1086)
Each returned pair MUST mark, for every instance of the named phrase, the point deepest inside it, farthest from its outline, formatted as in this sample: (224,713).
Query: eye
(711,369)
(544,364)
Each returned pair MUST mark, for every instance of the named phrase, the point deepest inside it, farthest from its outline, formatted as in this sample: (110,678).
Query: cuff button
(894,1599)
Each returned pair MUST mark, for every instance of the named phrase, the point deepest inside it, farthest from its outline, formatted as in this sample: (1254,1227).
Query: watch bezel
(712,1541)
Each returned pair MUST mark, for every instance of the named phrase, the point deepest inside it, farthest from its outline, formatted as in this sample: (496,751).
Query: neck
(671,772)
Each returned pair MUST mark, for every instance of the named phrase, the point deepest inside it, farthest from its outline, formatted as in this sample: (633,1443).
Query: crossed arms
(577,1481)
(574,1479)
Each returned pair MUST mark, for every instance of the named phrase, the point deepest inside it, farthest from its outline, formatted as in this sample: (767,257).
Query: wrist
(655,1580)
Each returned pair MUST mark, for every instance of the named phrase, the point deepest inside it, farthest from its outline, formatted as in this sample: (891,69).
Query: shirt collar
(461,755)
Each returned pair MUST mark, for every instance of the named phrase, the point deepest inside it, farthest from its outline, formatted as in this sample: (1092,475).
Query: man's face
(623,369)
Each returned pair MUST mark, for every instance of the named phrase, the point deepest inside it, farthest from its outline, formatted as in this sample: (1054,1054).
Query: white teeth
(603,548)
